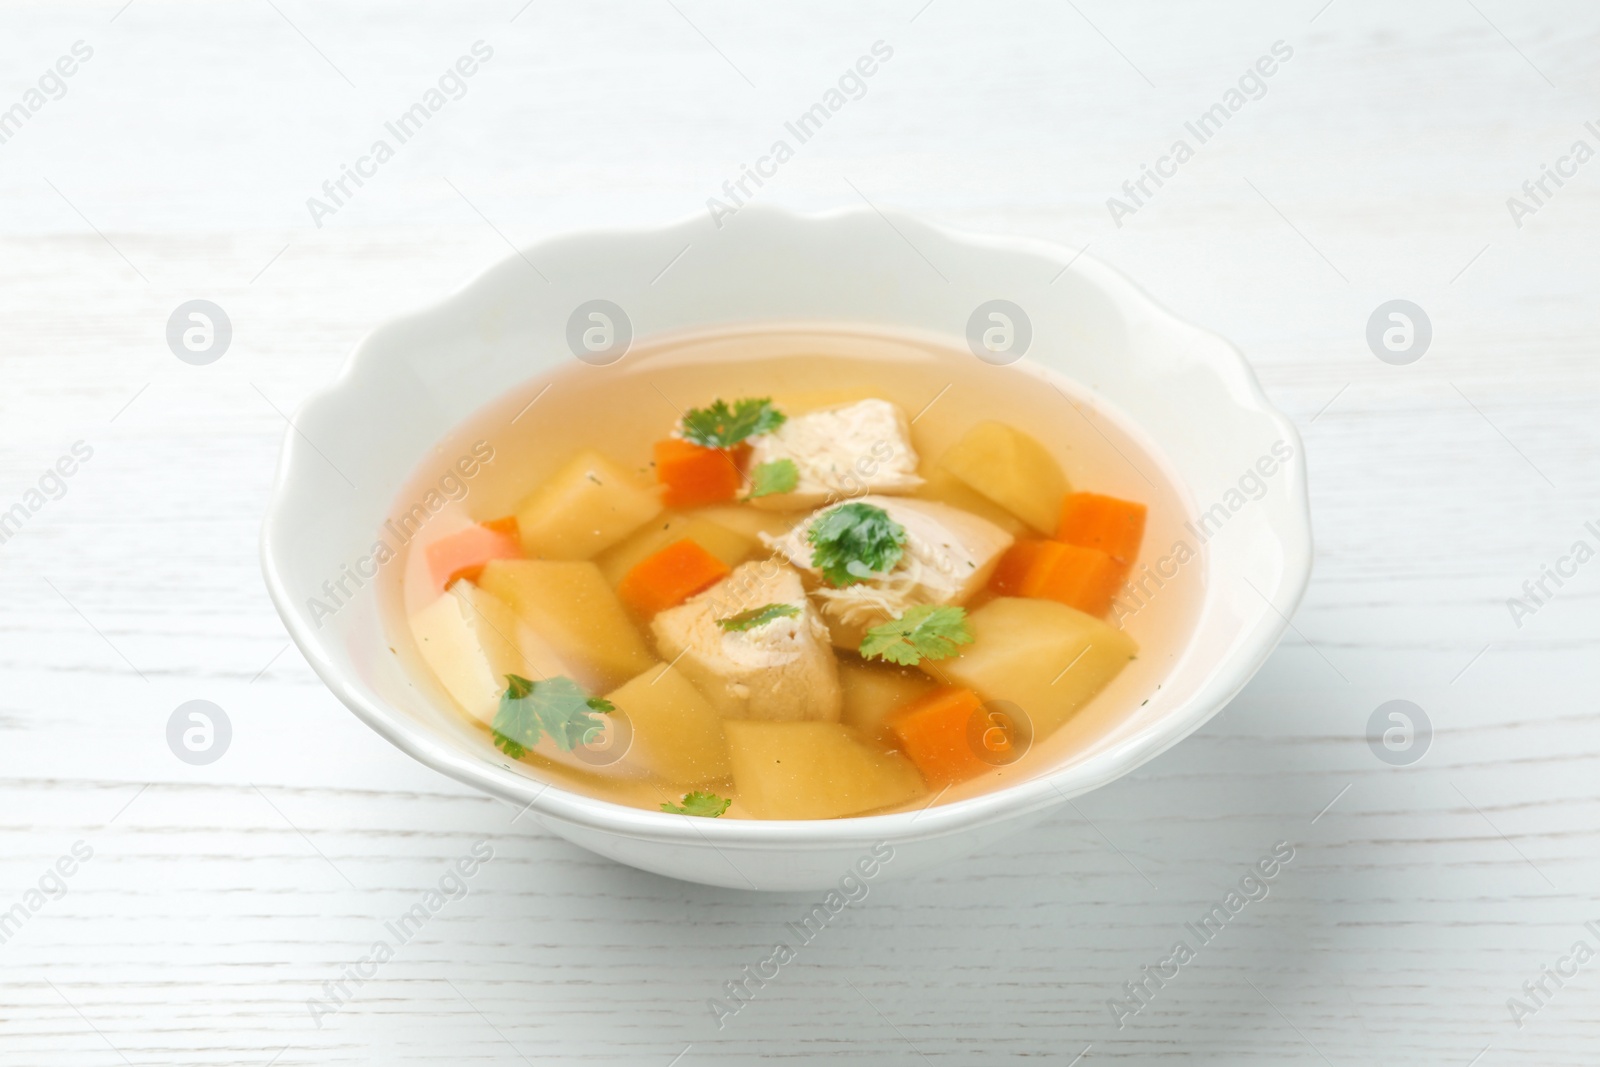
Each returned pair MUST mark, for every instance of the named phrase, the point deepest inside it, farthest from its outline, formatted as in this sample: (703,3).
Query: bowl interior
(1187,393)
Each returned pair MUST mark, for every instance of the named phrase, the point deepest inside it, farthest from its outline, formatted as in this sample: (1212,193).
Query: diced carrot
(949,737)
(695,476)
(1082,578)
(670,577)
(463,553)
(1112,525)
(1011,573)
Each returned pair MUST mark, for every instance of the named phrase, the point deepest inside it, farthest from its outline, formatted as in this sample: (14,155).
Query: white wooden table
(218,901)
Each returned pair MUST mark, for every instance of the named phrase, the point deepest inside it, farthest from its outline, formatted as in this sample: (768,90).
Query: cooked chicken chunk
(948,556)
(839,452)
(780,670)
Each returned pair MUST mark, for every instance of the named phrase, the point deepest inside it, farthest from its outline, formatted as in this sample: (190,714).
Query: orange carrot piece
(695,475)
(670,577)
(1114,526)
(949,737)
(1082,578)
(1010,576)
(463,553)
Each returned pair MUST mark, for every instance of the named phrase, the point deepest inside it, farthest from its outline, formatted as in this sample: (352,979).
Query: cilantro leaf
(555,706)
(720,426)
(508,746)
(852,542)
(706,805)
(927,631)
(779,476)
(749,620)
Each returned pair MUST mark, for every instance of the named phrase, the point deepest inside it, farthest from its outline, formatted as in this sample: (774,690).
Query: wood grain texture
(219,900)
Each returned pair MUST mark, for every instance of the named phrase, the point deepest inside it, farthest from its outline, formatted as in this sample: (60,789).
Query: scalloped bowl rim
(1006,803)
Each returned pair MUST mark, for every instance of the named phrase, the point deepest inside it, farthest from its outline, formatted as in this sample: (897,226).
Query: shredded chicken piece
(948,556)
(781,670)
(842,451)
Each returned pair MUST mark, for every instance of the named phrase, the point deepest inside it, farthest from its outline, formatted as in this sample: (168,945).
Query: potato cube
(570,605)
(815,770)
(873,690)
(1043,657)
(750,521)
(585,508)
(727,545)
(676,735)
(942,487)
(1011,469)
(472,640)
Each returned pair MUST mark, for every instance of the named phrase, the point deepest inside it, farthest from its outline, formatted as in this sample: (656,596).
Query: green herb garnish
(853,542)
(705,805)
(555,706)
(720,426)
(749,620)
(779,476)
(927,631)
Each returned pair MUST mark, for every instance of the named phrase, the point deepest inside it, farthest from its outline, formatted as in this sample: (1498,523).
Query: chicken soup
(794,574)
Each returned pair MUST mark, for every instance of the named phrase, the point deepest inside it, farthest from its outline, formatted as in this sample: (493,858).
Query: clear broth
(622,409)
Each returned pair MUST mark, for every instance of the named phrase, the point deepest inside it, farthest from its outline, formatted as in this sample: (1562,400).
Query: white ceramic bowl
(413,380)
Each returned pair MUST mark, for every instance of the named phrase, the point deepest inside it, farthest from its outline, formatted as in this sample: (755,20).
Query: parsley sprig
(749,620)
(705,805)
(853,542)
(778,476)
(927,631)
(555,706)
(720,426)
